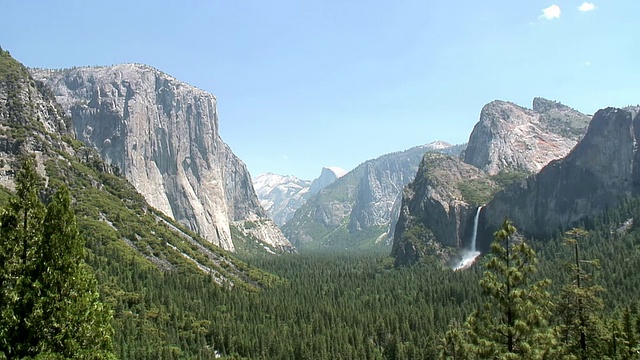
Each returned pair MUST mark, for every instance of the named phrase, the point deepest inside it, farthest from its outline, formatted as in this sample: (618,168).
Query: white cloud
(586,6)
(551,12)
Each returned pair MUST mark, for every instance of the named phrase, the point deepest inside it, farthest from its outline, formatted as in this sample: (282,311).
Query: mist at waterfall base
(470,255)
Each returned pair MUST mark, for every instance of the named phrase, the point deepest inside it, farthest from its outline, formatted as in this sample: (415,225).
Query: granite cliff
(508,143)
(600,172)
(436,212)
(115,220)
(162,134)
(359,210)
(31,122)
(512,137)
(328,176)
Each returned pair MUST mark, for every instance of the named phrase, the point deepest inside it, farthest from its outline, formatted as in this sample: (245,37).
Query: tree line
(526,300)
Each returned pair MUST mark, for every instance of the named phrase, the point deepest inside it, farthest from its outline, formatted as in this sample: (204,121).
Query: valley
(392,259)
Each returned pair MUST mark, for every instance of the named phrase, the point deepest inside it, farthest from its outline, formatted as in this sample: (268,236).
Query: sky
(306,84)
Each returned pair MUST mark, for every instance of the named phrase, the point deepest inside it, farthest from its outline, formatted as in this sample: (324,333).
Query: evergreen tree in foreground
(582,329)
(513,323)
(49,303)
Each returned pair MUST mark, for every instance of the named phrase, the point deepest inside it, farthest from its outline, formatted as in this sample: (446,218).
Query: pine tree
(49,301)
(20,236)
(514,322)
(581,330)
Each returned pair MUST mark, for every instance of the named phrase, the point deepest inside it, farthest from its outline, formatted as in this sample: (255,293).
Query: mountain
(162,282)
(282,195)
(357,210)
(327,177)
(602,171)
(508,143)
(437,209)
(115,219)
(162,134)
(509,136)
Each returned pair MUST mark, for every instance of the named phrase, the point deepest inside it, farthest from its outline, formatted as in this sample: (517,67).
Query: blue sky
(306,84)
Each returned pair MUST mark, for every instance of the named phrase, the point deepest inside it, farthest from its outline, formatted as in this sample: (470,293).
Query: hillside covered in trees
(150,289)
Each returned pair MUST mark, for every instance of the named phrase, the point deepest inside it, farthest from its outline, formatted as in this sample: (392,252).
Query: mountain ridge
(509,136)
(113,217)
(162,134)
(508,143)
(358,211)
(602,171)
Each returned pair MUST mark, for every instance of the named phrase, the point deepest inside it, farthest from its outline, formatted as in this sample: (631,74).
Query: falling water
(475,230)
(470,255)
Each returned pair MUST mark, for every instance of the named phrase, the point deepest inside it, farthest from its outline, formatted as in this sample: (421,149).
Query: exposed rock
(163,136)
(358,209)
(601,171)
(327,177)
(435,212)
(507,142)
(29,115)
(281,195)
(266,229)
(510,137)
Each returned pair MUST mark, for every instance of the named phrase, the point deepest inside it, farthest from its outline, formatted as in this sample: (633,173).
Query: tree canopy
(49,302)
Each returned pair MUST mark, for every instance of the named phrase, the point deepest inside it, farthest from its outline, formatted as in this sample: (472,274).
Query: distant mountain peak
(339,172)
(281,195)
(328,175)
(437,145)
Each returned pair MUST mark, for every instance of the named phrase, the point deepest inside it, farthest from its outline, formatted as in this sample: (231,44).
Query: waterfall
(470,254)
(475,230)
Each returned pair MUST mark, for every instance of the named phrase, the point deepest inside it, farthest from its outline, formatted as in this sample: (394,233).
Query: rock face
(357,210)
(327,177)
(508,142)
(162,134)
(512,137)
(435,213)
(29,115)
(34,125)
(600,171)
(281,195)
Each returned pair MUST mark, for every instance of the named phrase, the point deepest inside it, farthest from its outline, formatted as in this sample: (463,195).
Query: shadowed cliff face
(435,214)
(601,171)
(508,142)
(163,136)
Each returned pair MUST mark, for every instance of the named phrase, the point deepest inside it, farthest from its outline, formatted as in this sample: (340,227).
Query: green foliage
(477,192)
(341,239)
(48,297)
(507,177)
(352,306)
(581,329)
(514,322)
(10,69)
